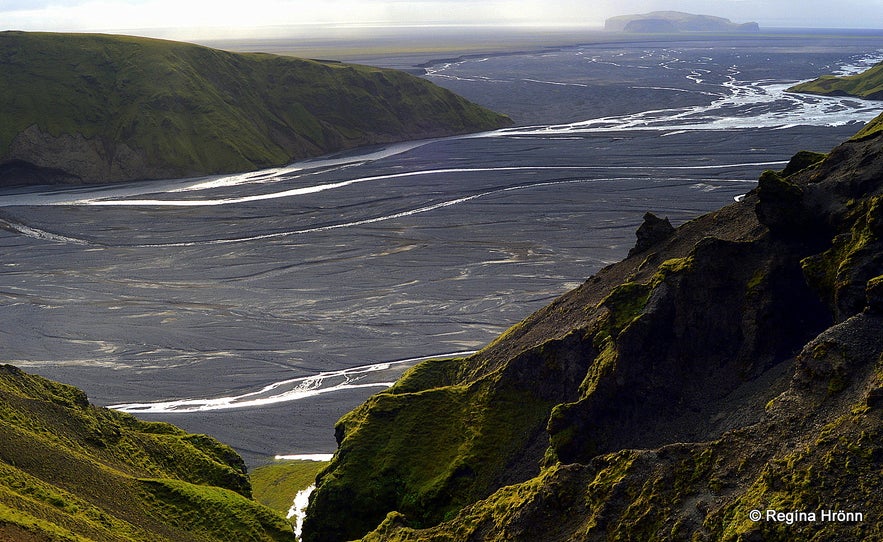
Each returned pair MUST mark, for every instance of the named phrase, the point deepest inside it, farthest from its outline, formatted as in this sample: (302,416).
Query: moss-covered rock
(737,367)
(781,205)
(440,449)
(811,452)
(841,273)
(801,161)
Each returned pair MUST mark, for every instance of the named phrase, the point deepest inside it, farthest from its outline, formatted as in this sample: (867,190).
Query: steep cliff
(732,365)
(98,108)
(73,471)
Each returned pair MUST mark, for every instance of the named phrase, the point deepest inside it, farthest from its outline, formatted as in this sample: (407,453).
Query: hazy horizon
(203,19)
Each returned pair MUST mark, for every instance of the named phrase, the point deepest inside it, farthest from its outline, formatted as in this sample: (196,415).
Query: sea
(260,307)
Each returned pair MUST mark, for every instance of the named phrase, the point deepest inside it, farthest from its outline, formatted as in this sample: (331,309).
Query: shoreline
(412,49)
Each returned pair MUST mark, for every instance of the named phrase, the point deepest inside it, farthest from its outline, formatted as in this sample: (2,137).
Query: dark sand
(429,251)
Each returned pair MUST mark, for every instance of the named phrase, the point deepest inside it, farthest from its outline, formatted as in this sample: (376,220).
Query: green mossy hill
(731,365)
(867,85)
(98,108)
(73,471)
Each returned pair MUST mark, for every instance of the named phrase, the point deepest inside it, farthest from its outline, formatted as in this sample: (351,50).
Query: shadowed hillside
(98,108)
(731,365)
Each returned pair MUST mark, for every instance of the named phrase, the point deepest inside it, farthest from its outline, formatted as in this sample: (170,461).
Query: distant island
(663,22)
(91,108)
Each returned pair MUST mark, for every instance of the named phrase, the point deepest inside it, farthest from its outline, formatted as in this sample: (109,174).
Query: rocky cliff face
(38,157)
(730,366)
(81,108)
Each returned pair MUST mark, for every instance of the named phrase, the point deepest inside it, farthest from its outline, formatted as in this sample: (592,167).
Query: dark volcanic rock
(875,295)
(782,206)
(22,173)
(652,231)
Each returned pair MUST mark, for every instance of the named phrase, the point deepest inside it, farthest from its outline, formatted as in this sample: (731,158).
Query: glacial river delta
(260,307)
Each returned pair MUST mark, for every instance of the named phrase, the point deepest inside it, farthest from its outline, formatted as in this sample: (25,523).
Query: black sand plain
(316,277)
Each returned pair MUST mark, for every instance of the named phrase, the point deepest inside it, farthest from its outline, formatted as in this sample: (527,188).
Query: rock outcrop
(652,231)
(84,108)
(733,365)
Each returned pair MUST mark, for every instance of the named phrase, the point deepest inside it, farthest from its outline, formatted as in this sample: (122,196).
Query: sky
(220,18)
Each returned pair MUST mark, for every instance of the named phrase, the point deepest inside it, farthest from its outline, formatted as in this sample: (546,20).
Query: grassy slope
(188,109)
(427,447)
(276,484)
(72,471)
(868,85)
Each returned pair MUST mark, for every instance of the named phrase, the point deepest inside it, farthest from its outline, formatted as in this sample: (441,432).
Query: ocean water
(260,307)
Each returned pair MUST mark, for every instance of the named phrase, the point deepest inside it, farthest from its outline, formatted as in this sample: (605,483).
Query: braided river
(260,307)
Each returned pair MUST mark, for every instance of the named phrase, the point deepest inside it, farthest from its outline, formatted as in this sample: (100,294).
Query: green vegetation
(868,85)
(625,303)
(276,484)
(424,453)
(838,470)
(72,471)
(871,129)
(103,108)
(703,491)
(214,513)
(801,161)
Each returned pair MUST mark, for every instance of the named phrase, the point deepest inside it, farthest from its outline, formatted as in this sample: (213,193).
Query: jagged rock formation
(674,21)
(652,231)
(97,108)
(732,366)
(73,471)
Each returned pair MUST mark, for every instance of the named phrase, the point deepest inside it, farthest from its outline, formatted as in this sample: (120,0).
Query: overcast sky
(201,17)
